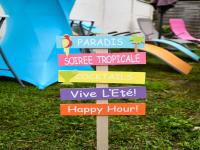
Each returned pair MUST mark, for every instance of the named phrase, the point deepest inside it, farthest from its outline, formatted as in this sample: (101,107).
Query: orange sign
(102,109)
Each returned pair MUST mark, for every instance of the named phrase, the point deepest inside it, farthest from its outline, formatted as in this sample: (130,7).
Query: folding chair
(3,18)
(151,35)
(179,29)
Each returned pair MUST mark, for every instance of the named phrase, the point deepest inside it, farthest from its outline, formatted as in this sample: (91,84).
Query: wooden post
(136,47)
(102,121)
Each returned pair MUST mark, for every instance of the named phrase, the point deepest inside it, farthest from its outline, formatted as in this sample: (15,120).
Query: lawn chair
(3,18)
(151,35)
(179,29)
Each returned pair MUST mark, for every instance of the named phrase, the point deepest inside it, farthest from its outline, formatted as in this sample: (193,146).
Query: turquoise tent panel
(66,6)
(30,40)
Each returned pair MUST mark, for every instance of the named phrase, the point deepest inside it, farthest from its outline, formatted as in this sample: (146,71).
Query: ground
(30,117)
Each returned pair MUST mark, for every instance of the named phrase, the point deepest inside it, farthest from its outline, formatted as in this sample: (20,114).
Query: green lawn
(30,118)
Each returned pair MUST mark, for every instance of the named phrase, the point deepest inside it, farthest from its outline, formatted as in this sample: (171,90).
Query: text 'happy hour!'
(102,109)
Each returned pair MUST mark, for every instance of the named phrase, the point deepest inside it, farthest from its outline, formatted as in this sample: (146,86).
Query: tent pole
(10,68)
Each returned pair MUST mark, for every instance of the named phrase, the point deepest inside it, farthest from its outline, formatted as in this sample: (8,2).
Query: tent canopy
(30,39)
(112,15)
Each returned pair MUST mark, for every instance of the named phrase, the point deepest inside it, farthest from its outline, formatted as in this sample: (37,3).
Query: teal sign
(100,42)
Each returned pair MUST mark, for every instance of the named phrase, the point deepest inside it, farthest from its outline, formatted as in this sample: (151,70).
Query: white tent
(112,15)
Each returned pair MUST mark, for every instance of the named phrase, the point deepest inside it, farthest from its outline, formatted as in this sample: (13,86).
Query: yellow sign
(102,77)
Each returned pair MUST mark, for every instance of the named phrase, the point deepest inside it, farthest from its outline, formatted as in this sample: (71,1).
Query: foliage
(167,31)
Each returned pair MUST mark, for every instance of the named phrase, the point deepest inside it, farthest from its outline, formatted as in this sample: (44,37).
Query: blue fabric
(178,47)
(66,6)
(30,40)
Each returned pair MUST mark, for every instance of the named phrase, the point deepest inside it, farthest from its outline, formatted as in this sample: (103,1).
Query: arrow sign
(101,77)
(102,59)
(102,109)
(103,93)
(99,42)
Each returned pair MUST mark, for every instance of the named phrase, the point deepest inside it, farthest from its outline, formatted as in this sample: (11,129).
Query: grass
(30,118)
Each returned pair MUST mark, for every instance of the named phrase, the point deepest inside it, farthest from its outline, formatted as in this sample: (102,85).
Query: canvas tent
(29,42)
(117,15)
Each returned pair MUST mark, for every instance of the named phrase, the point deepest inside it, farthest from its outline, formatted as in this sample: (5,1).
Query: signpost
(101,77)
(100,42)
(102,59)
(102,109)
(102,121)
(102,93)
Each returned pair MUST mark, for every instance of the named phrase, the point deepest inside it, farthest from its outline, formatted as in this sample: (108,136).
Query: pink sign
(127,58)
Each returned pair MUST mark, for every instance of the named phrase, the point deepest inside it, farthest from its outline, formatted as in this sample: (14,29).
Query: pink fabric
(180,30)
